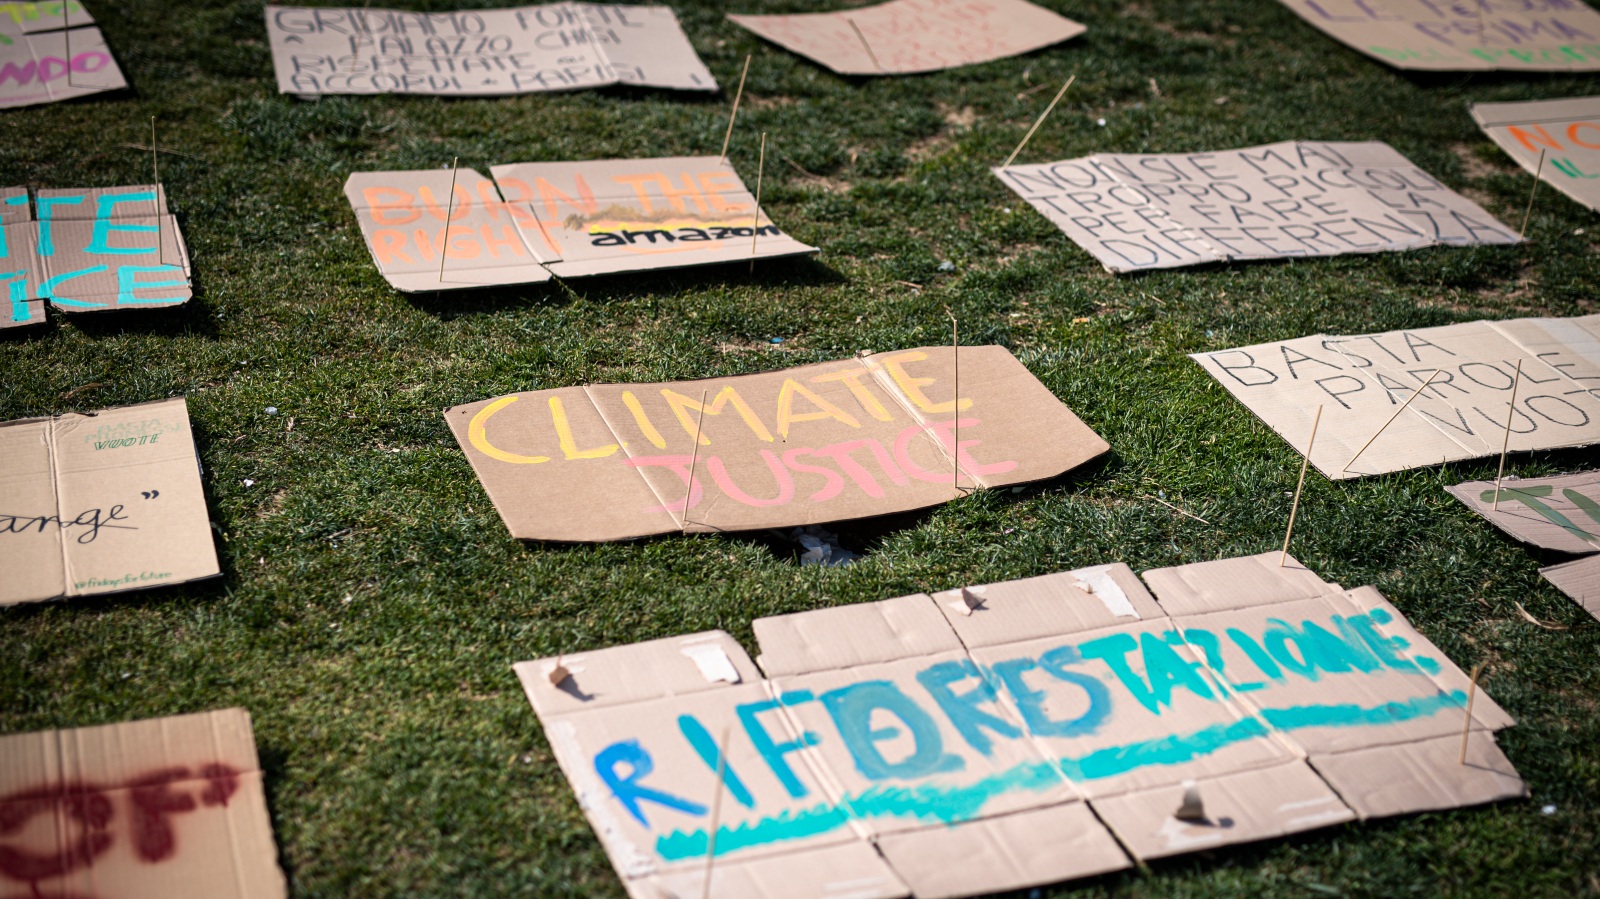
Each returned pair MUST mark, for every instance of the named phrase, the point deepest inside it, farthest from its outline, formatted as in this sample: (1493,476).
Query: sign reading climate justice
(879,433)
(490,52)
(1458,35)
(1003,736)
(50,52)
(1297,198)
(88,250)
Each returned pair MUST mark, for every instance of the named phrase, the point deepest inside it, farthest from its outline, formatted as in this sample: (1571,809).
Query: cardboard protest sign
(101,503)
(562,218)
(997,737)
(160,807)
(480,53)
(1567,132)
(48,53)
(1460,35)
(1297,198)
(1378,417)
(904,37)
(1560,513)
(870,435)
(90,249)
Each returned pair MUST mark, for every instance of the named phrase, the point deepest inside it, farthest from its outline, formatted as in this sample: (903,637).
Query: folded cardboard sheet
(1463,35)
(1565,132)
(904,37)
(1378,418)
(1560,513)
(101,503)
(1297,198)
(166,807)
(89,250)
(538,219)
(870,435)
(51,52)
(997,737)
(480,52)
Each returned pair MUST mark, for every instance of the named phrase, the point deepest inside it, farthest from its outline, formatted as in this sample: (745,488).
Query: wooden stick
(716,809)
(1466,726)
(66,40)
(449,210)
(755,218)
(1529,212)
(955,351)
(863,38)
(1436,373)
(1305,463)
(1516,379)
(1040,121)
(693,458)
(733,116)
(155,173)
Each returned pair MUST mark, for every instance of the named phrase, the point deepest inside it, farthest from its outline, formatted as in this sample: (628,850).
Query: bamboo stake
(1436,373)
(1528,213)
(755,218)
(1504,445)
(155,174)
(693,458)
(1040,121)
(863,38)
(734,116)
(1466,726)
(716,809)
(449,210)
(955,352)
(1305,463)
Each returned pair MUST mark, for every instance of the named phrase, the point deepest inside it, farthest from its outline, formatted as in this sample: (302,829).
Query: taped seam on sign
(1097,582)
(713,663)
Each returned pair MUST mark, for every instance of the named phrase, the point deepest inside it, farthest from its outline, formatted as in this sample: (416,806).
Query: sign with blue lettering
(1013,734)
(88,250)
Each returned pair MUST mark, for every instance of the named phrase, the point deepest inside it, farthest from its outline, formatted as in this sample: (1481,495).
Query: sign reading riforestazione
(871,435)
(1565,132)
(1459,35)
(476,53)
(51,52)
(997,737)
(1297,198)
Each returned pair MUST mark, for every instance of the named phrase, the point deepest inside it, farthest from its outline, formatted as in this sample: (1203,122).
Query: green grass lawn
(371,602)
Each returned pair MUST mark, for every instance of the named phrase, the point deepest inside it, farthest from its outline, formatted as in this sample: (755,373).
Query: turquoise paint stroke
(952,805)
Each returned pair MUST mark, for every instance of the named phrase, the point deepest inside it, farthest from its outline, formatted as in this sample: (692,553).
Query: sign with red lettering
(879,433)
(481,52)
(1461,35)
(995,737)
(1566,132)
(50,52)
(1405,399)
(538,219)
(903,37)
(162,807)
(1297,198)
(89,250)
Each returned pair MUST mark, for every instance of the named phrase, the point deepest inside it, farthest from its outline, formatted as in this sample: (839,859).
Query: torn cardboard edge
(876,428)
(1381,414)
(1286,769)
(169,806)
(1560,513)
(908,37)
(1455,37)
(624,215)
(1566,130)
(93,242)
(103,502)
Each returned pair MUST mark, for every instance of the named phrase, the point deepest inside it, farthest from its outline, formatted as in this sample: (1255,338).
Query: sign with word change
(992,738)
(161,807)
(1566,132)
(88,249)
(559,218)
(481,53)
(904,37)
(1410,398)
(1560,513)
(1461,35)
(101,503)
(870,435)
(1296,198)
(51,52)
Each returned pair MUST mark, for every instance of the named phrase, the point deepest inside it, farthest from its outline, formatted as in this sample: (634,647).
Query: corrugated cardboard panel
(1421,776)
(1236,583)
(1560,513)
(1052,604)
(1579,580)
(163,807)
(1432,36)
(844,871)
(849,636)
(39,67)
(1567,131)
(31,18)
